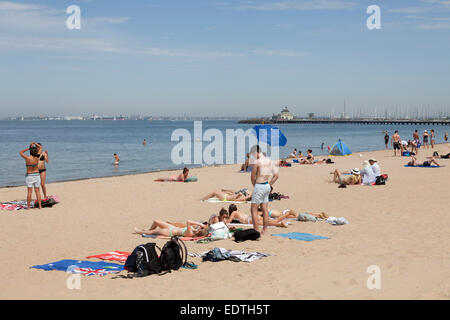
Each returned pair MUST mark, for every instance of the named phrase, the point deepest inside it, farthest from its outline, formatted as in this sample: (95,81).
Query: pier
(357,121)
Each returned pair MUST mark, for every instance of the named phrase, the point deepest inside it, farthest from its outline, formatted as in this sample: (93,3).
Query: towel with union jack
(88,268)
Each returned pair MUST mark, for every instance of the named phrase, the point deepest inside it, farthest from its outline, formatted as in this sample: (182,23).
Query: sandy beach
(402,227)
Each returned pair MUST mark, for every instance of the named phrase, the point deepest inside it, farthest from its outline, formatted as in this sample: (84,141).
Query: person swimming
(116,159)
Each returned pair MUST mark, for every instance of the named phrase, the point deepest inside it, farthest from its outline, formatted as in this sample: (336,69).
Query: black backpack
(243,235)
(144,260)
(173,255)
(381,180)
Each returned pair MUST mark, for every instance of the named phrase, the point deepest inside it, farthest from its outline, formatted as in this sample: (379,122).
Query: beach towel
(87,268)
(300,236)
(191,179)
(216,200)
(16,205)
(153,236)
(423,166)
(174,179)
(246,225)
(295,161)
(219,254)
(112,256)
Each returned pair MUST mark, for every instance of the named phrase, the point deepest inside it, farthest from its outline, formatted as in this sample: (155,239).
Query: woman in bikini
(192,229)
(43,158)
(309,158)
(235,214)
(181,177)
(32,178)
(228,195)
(292,214)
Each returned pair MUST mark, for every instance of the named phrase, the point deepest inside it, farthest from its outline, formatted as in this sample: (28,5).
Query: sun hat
(355,171)
(425,131)
(366,164)
(373,159)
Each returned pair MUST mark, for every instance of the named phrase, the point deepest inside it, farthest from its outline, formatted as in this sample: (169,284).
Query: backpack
(173,255)
(144,260)
(380,180)
(243,235)
(46,203)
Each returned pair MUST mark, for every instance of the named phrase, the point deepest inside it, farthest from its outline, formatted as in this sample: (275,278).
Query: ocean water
(84,149)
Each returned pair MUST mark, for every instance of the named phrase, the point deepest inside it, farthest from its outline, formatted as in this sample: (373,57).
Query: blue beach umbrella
(270,135)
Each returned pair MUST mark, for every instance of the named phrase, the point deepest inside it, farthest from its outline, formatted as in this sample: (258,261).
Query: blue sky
(208,57)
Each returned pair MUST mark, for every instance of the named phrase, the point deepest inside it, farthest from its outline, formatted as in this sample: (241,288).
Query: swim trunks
(261,193)
(396,146)
(33,180)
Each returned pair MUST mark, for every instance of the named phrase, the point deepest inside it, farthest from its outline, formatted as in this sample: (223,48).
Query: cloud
(279,53)
(111,20)
(434,25)
(15,6)
(305,5)
(408,10)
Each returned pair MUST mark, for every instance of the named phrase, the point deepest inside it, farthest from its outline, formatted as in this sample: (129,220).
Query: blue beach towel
(300,236)
(84,267)
(424,166)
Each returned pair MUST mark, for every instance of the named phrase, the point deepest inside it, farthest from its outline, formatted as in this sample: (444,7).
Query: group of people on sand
(366,176)
(36,173)
(428,139)
(309,159)
(263,176)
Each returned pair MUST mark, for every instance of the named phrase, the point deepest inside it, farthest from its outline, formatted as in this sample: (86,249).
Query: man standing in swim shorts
(263,169)
(395,141)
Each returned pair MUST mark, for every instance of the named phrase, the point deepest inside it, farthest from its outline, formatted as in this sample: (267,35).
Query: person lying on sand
(292,214)
(426,163)
(192,229)
(235,214)
(228,195)
(181,177)
(355,177)
(436,154)
(222,217)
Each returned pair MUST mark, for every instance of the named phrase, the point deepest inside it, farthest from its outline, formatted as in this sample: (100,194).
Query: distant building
(284,115)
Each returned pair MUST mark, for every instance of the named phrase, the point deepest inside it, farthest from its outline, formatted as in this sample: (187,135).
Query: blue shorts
(261,193)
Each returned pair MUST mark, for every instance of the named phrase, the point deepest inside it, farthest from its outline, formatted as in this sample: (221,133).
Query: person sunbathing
(192,229)
(228,195)
(181,177)
(426,163)
(292,214)
(240,217)
(222,217)
(436,154)
(354,178)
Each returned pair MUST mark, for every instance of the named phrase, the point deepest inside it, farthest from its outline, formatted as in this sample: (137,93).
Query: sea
(84,149)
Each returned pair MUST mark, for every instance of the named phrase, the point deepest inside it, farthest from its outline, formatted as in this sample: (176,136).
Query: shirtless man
(395,142)
(263,169)
(415,142)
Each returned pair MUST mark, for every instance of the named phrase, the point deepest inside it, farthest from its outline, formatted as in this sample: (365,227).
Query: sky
(224,58)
